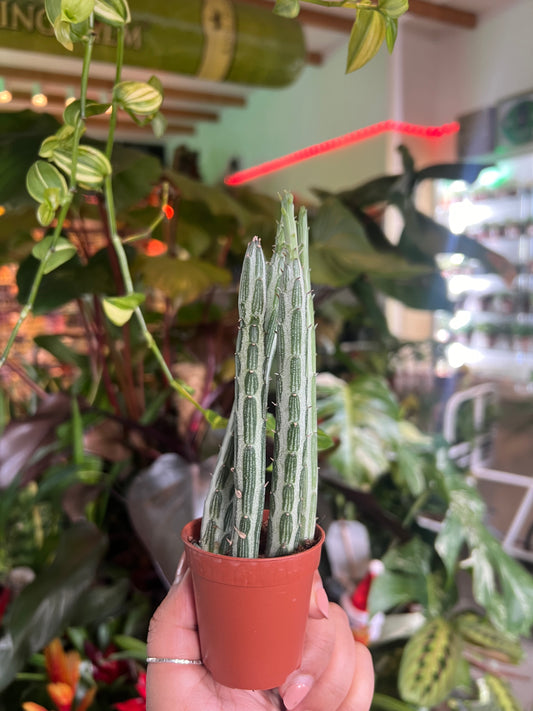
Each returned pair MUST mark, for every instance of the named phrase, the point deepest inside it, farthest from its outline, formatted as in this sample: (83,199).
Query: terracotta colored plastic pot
(252,612)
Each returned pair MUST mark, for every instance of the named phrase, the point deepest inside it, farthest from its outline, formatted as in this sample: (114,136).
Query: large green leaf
(370,193)
(70,281)
(423,235)
(21,134)
(218,200)
(184,280)
(135,173)
(363,418)
(46,607)
(468,172)
(391,589)
(429,664)
(341,251)
(422,291)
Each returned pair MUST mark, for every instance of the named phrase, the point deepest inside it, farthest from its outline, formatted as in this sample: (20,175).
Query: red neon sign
(348,139)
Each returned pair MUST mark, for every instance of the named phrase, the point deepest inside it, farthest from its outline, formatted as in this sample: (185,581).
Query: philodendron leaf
(287,8)
(113,12)
(429,664)
(138,97)
(366,38)
(55,256)
(119,309)
(41,177)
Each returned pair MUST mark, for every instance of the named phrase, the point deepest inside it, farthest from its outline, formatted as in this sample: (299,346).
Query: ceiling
(189,100)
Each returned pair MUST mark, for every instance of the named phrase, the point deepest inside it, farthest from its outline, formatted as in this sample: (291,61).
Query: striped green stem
(250,424)
(308,494)
(283,529)
(215,527)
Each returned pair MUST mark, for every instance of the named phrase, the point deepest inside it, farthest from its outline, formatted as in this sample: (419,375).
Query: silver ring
(170,660)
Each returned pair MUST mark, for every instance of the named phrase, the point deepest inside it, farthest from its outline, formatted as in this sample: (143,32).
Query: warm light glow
(2,210)
(38,99)
(69,100)
(362,134)
(5,94)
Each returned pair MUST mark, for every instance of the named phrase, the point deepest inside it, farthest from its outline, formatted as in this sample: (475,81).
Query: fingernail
(322,602)
(297,691)
(180,571)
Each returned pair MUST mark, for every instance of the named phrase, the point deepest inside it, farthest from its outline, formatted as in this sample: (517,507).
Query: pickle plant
(276,322)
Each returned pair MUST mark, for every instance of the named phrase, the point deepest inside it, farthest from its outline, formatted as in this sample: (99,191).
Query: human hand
(336,672)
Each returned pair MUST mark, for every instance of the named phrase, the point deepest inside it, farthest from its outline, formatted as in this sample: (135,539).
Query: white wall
(322,104)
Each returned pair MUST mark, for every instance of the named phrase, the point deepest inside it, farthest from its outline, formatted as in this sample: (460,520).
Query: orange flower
(62,695)
(62,666)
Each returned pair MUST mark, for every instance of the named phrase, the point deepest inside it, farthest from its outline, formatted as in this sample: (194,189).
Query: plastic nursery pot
(252,612)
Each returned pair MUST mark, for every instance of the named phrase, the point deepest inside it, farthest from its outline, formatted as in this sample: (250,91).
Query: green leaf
(367,35)
(72,112)
(41,177)
(139,97)
(53,10)
(131,644)
(429,664)
(55,256)
(74,11)
(391,589)
(45,214)
(480,631)
(391,32)
(60,351)
(62,33)
(449,542)
(159,125)
(47,606)
(21,134)
(119,309)
(323,441)
(393,8)
(113,12)
(287,8)
(91,169)
(185,280)
(216,421)
(500,693)
(411,558)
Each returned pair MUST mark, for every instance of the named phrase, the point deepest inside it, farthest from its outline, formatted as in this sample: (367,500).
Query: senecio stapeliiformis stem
(276,319)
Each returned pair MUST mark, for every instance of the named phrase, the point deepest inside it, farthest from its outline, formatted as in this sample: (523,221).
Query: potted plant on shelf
(252,565)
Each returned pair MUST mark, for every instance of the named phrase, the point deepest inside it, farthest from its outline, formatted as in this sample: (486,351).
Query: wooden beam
(330,21)
(169,112)
(189,95)
(443,13)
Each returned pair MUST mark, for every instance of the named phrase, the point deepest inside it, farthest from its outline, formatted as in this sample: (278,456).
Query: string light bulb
(5,94)
(38,99)
(69,96)
(105,100)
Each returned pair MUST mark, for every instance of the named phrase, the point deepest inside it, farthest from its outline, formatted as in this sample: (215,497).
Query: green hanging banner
(220,40)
